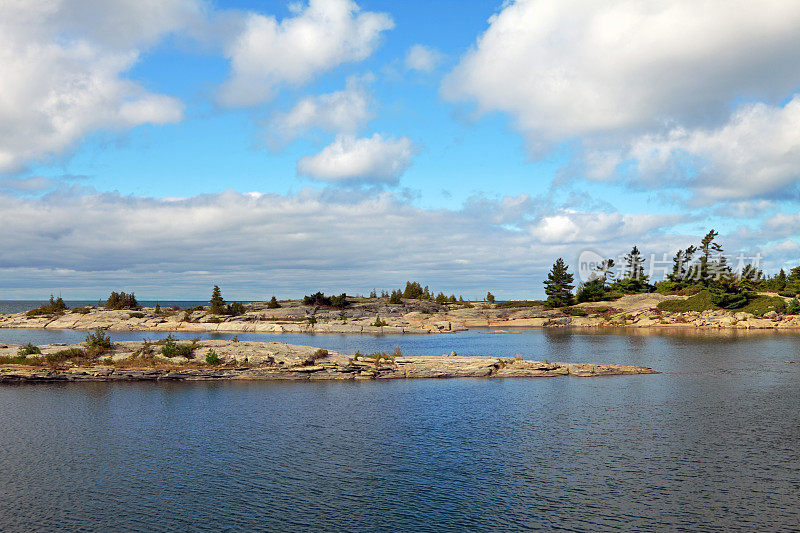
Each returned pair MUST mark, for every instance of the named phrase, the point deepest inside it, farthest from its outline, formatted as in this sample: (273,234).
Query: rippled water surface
(712,443)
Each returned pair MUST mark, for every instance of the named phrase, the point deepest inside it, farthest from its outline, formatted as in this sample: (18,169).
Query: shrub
(81,310)
(574,311)
(56,306)
(136,315)
(339,301)
(28,349)
(97,342)
(668,287)
(121,300)
(19,360)
(318,298)
(343,316)
(521,303)
(213,320)
(763,304)
(235,309)
(593,290)
(321,353)
(699,302)
(793,307)
(396,298)
(65,355)
(490,297)
(378,322)
(171,348)
(312,320)
(212,358)
(187,316)
(728,296)
(273,303)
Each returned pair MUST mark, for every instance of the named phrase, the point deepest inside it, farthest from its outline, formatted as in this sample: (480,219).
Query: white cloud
(63,77)
(422,58)
(566,69)
(322,35)
(755,154)
(256,244)
(344,111)
(369,159)
(572,227)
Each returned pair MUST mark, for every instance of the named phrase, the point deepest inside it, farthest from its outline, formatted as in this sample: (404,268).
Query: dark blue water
(711,444)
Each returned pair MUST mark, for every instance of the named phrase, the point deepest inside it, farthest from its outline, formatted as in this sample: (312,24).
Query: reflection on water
(713,443)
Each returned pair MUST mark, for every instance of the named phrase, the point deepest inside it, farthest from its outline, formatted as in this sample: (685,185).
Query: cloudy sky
(278,147)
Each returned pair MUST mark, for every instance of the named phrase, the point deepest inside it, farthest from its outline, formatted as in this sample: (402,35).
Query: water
(19,306)
(711,444)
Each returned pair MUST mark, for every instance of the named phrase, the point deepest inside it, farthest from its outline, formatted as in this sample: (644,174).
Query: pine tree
(634,265)
(680,264)
(217,303)
(490,297)
(708,248)
(273,303)
(558,285)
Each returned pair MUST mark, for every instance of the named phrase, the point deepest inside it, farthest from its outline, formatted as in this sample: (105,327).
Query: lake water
(710,444)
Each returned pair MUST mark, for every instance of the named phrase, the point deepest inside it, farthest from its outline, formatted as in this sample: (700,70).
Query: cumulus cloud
(344,111)
(569,68)
(422,58)
(323,34)
(755,154)
(254,243)
(368,159)
(63,77)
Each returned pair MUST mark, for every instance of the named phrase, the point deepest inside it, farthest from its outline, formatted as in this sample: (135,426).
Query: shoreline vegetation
(99,359)
(701,291)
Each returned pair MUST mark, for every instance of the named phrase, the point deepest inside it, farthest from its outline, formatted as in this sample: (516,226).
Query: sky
(163,146)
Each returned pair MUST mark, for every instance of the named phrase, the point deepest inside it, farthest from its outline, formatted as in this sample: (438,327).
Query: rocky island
(229,360)
(412,316)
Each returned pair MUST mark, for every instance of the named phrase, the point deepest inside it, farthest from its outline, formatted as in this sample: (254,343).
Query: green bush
(171,348)
(490,297)
(121,300)
(273,303)
(699,302)
(669,287)
(97,342)
(593,290)
(574,311)
(212,358)
(312,320)
(19,360)
(80,310)
(28,349)
(378,322)
(793,307)
(396,297)
(136,315)
(69,354)
(213,320)
(235,309)
(763,304)
(320,353)
(521,303)
(56,306)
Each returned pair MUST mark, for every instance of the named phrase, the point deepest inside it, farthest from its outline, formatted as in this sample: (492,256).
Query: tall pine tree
(217,303)
(558,285)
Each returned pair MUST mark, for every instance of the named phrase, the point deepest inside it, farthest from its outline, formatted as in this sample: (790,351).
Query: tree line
(697,267)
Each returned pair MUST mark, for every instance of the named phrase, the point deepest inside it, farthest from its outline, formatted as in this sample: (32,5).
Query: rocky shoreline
(409,317)
(140,361)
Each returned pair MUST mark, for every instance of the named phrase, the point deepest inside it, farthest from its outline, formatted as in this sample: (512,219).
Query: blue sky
(289,146)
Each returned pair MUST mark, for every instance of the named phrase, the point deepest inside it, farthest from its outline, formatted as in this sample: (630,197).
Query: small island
(100,359)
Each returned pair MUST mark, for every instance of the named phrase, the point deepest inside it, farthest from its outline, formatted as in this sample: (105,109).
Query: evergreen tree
(680,264)
(708,248)
(591,291)
(217,303)
(634,265)
(605,270)
(490,297)
(273,303)
(558,285)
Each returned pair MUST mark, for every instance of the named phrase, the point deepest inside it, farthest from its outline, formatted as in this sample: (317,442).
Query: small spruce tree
(217,302)
(558,285)
(490,297)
